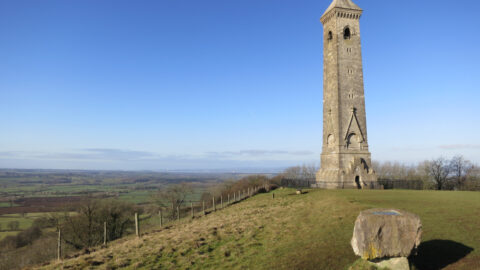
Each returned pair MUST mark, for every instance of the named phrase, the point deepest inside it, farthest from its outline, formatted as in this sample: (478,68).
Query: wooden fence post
(137,231)
(193,213)
(105,233)
(273,195)
(214,208)
(203,207)
(234,196)
(59,245)
(178,213)
(228,198)
(221,201)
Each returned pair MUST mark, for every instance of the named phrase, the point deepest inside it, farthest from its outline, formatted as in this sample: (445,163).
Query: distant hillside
(309,231)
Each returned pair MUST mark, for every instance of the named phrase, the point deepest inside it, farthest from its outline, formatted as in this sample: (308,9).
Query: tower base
(356,176)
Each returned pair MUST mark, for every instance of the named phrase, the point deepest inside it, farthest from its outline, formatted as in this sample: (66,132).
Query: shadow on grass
(437,254)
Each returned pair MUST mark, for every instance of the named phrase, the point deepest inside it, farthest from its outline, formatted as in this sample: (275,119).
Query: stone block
(386,233)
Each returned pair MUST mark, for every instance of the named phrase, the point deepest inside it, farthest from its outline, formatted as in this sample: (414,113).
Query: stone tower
(345,159)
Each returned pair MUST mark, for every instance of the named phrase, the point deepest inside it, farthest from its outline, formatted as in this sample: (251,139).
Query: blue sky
(215,84)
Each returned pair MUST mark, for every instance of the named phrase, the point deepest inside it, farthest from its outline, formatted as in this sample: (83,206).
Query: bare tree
(85,229)
(460,169)
(309,171)
(82,230)
(395,171)
(173,196)
(118,215)
(293,173)
(439,169)
(423,173)
(304,172)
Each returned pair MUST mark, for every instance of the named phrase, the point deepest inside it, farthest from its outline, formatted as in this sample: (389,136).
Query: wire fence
(168,216)
(380,184)
(297,183)
(402,184)
(195,209)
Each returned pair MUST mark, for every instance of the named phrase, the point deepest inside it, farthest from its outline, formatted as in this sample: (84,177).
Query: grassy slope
(311,231)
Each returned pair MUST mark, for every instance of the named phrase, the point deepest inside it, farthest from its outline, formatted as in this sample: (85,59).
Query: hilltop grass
(309,231)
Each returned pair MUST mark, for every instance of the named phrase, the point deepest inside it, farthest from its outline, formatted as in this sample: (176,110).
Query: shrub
(86,228)
(44,222)
(13,225)
(22,239)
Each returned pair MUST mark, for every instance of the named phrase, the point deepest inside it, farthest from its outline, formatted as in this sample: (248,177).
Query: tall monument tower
(345,159)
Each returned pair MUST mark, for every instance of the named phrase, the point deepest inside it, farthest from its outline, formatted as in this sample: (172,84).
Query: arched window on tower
(330,35)
(346,33)
(353,141)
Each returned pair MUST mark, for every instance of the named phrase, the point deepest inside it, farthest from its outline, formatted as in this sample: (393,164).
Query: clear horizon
(212,85)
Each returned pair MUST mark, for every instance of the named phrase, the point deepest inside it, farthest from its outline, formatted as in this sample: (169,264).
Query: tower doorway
(357,181)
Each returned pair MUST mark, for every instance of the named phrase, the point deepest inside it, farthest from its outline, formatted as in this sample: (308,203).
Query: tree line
(456,173)
(441,173)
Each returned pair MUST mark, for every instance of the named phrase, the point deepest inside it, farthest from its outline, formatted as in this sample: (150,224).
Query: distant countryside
(35,204)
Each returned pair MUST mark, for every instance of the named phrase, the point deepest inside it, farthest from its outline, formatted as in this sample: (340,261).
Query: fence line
(198,209)
(380,184)
(181,213)
(297,183)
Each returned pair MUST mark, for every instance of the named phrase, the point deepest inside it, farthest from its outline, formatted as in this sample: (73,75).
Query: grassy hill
(309,231)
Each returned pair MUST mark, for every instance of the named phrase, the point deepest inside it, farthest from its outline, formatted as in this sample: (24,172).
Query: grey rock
(386,233)
(393,264)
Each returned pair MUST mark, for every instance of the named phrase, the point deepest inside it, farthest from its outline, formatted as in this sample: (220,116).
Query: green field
(7,233)
(25,221)
(7,204)
(54,183)
(310,231)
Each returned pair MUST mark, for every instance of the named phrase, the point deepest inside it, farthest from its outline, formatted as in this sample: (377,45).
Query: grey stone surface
(345,159)
(393,264)
(346,4)
(386,233)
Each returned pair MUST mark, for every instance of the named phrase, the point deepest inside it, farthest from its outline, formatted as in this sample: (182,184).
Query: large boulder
(386,233)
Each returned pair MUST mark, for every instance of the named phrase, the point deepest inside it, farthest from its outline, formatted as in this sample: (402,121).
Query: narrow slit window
(346,33)
(330,35)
